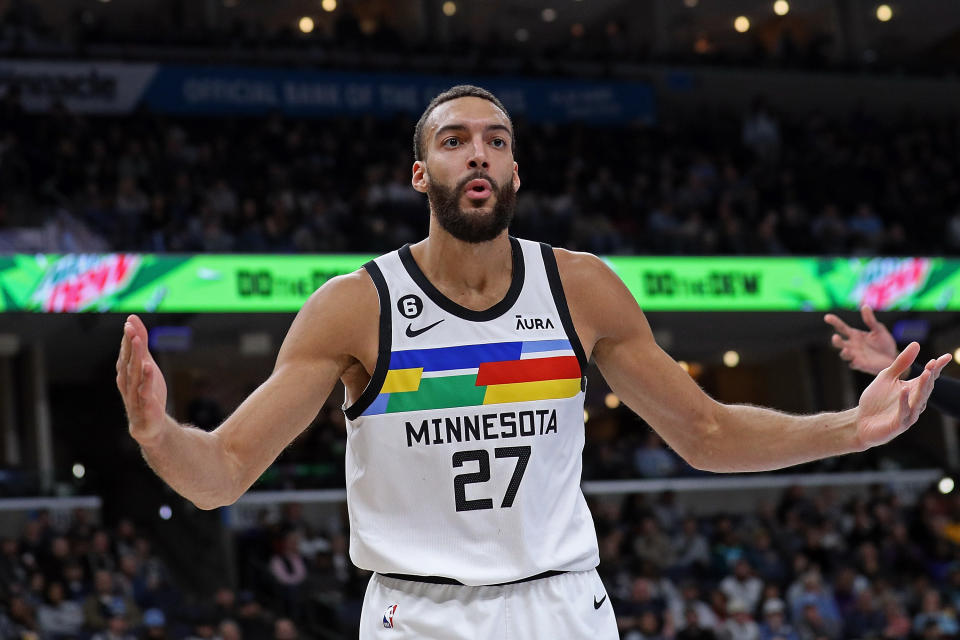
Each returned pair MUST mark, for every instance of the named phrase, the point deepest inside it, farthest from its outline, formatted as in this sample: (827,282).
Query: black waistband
(443,580)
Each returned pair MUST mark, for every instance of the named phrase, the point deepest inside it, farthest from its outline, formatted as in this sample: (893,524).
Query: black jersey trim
(559,299)
(448,305)
(373,387)
(445,580)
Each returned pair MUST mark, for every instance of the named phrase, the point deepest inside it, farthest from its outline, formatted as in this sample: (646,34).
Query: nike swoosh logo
(598,604)
(413,333)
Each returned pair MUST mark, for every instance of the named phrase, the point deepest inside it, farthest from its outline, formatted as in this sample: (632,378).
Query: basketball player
(463,358)
(872,351)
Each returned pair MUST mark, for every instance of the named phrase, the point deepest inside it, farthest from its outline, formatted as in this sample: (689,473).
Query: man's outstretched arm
(872,350)
(714,436)
(214,469)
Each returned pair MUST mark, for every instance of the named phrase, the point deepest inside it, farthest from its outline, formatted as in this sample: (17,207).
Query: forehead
(467,111)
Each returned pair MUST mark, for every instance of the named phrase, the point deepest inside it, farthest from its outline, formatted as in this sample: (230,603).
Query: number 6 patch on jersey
(388,616)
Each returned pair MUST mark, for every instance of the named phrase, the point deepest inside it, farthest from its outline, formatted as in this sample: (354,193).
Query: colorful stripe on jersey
(478,374)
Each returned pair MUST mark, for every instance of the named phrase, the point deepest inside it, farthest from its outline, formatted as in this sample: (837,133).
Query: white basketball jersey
(464,451)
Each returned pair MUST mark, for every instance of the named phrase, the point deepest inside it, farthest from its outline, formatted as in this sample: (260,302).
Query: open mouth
(478,189)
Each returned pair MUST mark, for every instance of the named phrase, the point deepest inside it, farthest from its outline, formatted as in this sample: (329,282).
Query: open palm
(889,406)
(868,351)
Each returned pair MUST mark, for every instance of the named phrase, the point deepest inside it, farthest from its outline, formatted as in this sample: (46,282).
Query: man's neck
(469,273)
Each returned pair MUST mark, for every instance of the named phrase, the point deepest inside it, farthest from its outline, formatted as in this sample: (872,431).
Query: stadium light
(79,471)
(884,13)
(449,8)
(306,24)
(611,401)
(956,355)
(684,365)
(522,35)
(165,512)
(548,15)
(586,416)
(946,485)
(328,5)
(781,7)
(731,358)
(741,24)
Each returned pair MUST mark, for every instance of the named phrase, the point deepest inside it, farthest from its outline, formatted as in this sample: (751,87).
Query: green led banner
(123,282)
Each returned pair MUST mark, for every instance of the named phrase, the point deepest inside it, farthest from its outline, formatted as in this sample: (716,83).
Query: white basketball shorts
(568,606)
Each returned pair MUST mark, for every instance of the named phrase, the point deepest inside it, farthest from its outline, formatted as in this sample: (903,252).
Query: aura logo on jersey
(533,323)
(478,374)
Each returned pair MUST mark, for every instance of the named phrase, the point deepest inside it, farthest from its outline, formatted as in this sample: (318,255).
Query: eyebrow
(462,127)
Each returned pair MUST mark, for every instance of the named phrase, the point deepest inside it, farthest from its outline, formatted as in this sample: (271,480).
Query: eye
(451,143)
(498,143)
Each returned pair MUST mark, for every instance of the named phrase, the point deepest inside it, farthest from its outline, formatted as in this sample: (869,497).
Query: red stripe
(510,371)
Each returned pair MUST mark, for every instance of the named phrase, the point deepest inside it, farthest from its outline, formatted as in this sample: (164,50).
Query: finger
(143,390)
(940,363)
(135,368)
(846,354)
(902,362)
(870,319)
(837,341)
(839,325)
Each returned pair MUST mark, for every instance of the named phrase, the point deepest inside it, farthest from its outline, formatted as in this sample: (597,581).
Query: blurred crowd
(87,582)
(364,39)
(755,183)
(808,566)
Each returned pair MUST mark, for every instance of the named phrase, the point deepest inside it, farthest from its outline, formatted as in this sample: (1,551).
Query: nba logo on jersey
(388,616)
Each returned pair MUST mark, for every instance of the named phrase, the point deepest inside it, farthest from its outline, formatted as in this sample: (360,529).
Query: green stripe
(439,393)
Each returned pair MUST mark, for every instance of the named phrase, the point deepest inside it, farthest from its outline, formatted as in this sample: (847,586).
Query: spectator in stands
(285,629)
(58,618)
(105,603)
(866,619)
(691,550)
(117,627)
(155,625)
(693,627)
(742,586)
(289,571)
(740,624)
(688,600)
(229,630)
(254,622)
(775,626)
(651,544)
(933,611)
(811,623)
(807,591)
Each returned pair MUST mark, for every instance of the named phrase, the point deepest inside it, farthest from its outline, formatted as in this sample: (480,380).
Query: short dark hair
(459,91)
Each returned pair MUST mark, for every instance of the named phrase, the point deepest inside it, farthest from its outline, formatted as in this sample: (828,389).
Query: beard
(471,227)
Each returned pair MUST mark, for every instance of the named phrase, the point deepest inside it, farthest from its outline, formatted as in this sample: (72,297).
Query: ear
(420,180)
(516,177)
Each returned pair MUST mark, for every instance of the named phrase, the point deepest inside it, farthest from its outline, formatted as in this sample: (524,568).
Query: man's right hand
(868,351)
(141,384)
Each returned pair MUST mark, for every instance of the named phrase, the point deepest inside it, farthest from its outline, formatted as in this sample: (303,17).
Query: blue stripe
(378,406)
(468,356)
(546,345)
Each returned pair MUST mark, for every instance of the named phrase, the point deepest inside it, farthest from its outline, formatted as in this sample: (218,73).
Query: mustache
(478,175)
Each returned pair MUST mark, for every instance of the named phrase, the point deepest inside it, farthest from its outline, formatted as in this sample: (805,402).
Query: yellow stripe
(399,380)
(526,391)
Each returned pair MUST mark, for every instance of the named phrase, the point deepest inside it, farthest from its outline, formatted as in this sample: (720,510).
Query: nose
(478,159)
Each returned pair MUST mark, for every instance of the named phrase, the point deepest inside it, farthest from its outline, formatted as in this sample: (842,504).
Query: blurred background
(707,137)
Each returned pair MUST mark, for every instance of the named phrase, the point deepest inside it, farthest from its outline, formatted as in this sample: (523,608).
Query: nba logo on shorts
(388,616)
